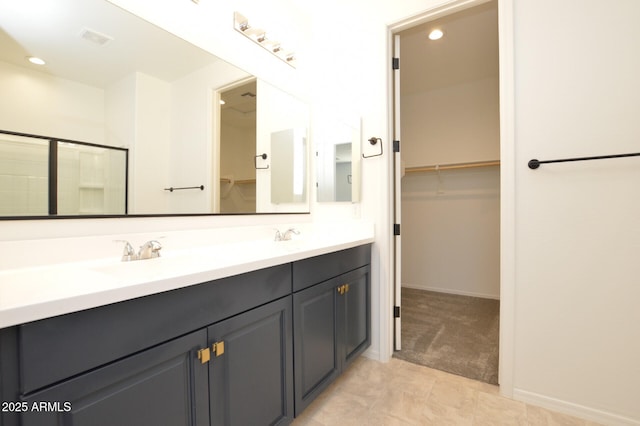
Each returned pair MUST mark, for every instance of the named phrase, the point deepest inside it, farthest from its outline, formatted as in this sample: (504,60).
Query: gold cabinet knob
(343,288)
(204,355)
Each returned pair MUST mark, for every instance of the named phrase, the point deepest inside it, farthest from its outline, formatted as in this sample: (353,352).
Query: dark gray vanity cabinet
(332,325)
(315,341)
(251,349)
(151,361)
(251,367)
(355,315)
(165,385)
(238,371)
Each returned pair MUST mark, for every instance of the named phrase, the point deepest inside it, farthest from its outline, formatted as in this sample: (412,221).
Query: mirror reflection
(237,148)
(338,168)
(107,81)
(54,177)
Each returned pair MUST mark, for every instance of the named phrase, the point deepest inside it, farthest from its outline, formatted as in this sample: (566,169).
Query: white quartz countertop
(33,293)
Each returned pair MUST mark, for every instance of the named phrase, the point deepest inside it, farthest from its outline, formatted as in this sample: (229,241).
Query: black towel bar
(534,164)
(171,189)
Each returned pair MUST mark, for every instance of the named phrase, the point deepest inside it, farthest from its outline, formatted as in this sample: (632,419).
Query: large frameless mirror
(115,83)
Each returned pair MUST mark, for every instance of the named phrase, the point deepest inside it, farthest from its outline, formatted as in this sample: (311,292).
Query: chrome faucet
(287,234)
(128,254)
(148,250)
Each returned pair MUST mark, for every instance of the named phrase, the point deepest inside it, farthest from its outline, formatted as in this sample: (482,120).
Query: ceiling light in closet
(435,34)
(36,60)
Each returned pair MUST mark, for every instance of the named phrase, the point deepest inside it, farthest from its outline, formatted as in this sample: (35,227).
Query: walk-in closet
(450,198)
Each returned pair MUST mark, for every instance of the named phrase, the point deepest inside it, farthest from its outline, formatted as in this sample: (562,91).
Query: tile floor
(401,393)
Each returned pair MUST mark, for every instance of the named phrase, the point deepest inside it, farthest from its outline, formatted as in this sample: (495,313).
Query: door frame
(507,174)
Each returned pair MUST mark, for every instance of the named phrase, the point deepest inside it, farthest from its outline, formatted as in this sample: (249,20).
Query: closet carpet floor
(452,333)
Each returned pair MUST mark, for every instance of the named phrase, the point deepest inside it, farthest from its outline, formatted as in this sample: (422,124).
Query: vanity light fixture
(436,34)
(259,36)
(35,60)
(243,26)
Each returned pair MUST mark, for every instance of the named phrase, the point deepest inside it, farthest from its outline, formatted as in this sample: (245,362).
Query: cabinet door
(354,319)
(251,378)
(165,385)
(315,341)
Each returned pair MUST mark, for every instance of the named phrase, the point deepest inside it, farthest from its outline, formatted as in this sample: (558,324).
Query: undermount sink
(186,261)
(180,262)
(151,268)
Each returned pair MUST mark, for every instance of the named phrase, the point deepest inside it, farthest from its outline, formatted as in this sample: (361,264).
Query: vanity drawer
(56,348)
(314,270)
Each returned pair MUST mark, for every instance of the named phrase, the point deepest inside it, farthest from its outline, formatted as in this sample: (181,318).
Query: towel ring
(374,141)
(255,161)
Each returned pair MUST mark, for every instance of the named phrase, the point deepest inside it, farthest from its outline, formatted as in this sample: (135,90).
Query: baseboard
(572,409)
(450,291)
(373,354)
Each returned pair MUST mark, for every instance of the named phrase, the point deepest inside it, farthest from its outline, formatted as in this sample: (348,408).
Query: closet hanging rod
(438,167)
(534,164)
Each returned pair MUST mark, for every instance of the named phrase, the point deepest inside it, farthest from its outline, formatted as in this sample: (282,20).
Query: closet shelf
(439,167)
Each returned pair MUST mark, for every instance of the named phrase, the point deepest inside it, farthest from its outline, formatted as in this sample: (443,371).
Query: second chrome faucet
(148,250)
(286,236)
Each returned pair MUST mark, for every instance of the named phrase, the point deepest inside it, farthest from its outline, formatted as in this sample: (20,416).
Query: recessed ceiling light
(435,34)
(36,60)
(222,102)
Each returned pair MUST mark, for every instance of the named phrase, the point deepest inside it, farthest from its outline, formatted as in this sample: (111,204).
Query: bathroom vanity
(250,348)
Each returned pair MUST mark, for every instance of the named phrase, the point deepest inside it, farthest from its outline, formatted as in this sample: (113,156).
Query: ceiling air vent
(95,37)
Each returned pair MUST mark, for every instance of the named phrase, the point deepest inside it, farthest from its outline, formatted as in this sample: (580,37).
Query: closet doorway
(448,192)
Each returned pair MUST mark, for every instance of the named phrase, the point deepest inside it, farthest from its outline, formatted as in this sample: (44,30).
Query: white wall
(152,140)
(577,230)
(120,122)
(453,124)
(451,229)
(138,118)
(27,93)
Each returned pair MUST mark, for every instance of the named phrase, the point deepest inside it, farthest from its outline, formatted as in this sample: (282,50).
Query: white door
(397,166)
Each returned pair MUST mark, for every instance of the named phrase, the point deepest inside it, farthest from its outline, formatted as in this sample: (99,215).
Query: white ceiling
(51,29)
(467,52)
